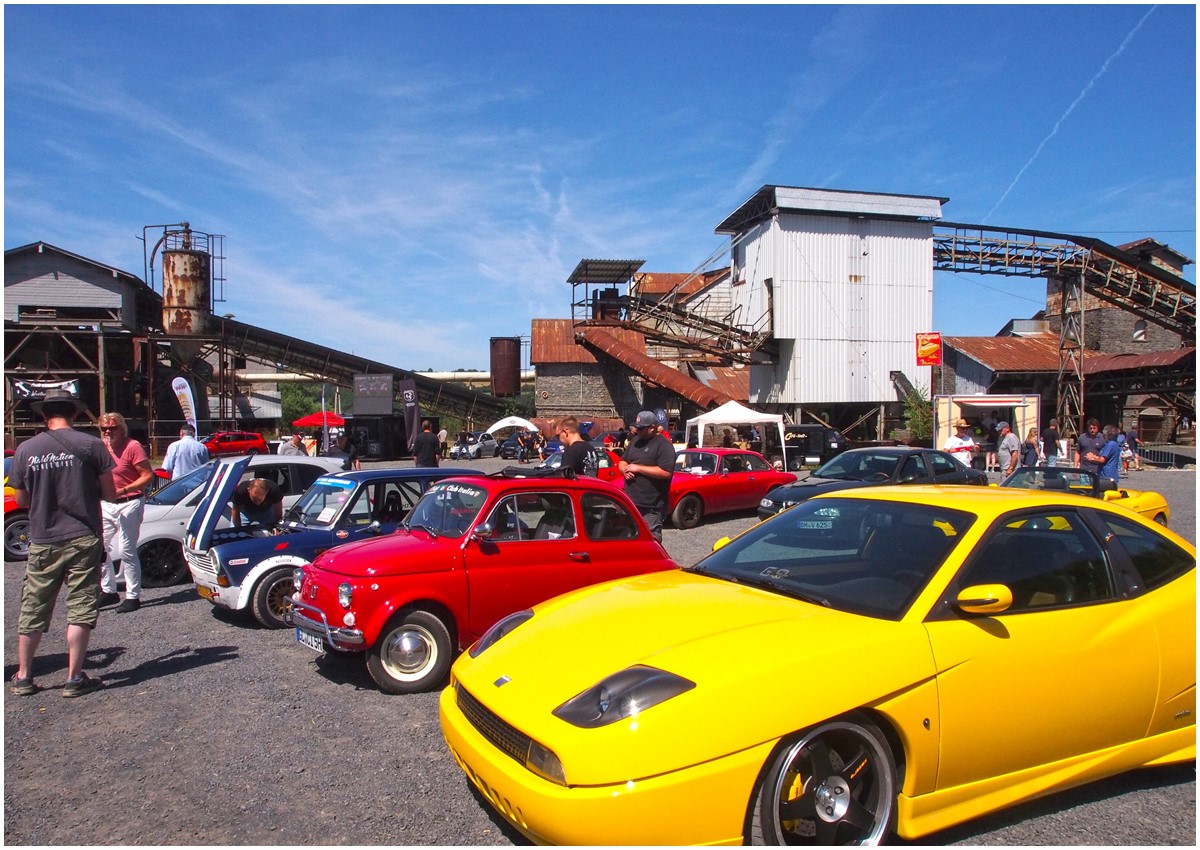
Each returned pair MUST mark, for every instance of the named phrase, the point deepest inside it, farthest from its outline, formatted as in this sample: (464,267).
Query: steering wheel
(878,476)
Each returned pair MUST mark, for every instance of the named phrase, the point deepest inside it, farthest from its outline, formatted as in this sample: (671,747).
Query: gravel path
(213,730)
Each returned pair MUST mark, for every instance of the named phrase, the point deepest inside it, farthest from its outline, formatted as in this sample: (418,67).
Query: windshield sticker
(336,482)
(327,515)
(458,488)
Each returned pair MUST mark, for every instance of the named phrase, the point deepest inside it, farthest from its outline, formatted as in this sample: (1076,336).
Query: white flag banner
(183,392)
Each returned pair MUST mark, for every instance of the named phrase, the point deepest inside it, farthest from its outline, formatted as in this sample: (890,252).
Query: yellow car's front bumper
(702,804)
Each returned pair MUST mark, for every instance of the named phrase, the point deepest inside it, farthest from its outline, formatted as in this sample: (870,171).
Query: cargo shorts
(75,563)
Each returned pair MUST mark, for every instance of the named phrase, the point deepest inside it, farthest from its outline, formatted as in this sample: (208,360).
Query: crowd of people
(1109,452)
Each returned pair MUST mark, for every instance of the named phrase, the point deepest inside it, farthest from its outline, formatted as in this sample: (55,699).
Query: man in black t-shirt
(576,450)
(648,464)
(257,501)
(426,446)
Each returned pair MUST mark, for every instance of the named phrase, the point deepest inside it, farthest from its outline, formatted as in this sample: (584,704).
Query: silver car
(167,510)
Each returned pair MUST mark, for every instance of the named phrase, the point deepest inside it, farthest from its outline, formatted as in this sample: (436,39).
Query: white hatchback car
(167,510)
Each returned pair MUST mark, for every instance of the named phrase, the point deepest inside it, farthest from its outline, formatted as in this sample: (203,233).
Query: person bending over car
(257,502)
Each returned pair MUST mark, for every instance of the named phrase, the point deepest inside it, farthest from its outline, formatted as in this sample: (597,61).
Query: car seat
(393,508)
(557,522)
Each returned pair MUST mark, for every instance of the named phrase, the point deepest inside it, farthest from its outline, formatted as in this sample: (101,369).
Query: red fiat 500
(471,551)
(711,481)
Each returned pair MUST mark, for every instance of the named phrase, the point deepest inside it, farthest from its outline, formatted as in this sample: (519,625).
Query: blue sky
(406,182)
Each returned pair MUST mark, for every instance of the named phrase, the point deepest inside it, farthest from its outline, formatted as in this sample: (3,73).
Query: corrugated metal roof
(653,371)
(604,271)
(1034,353)
(797,199)
(726,380)
(660,283)
(1098,363)
(553,341)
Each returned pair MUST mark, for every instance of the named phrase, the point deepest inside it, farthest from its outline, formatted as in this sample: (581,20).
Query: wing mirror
(375,527)
(721,543)
(984,599)
(482,531)
(1114,495)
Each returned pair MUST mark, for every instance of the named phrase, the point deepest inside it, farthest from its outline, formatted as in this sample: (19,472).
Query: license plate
(815,523)
(313,642)
(205,592)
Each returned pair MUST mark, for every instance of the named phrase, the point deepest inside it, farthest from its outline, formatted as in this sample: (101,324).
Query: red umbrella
(319,420)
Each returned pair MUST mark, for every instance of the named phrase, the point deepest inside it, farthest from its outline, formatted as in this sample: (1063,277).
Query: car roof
(397,472)
(985,501)
(495,482)
(888,450)
(332,463)
(718,450)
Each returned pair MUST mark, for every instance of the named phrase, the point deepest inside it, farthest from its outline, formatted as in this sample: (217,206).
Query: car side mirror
(374,526)
(984,599)
(1113,495)
(483,531)
(721,543)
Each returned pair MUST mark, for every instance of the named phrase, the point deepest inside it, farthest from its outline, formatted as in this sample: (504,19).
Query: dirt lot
(215,731)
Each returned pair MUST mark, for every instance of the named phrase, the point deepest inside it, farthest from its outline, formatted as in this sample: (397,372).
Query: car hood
(217,493)
(809,487)
(402,553)
(764,665)
(300,544)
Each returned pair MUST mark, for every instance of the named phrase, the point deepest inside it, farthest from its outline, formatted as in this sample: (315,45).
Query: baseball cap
(1002,426)
(645,419)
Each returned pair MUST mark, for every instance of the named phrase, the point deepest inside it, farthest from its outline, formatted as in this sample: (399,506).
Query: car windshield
(861,556)
(1052,478)
(448,509)
(860,466)
(181,488)
(321,503)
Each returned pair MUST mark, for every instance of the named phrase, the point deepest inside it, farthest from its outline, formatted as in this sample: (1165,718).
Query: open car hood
(217,492)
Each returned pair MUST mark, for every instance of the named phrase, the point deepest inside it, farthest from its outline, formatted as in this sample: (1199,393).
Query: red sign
(929,349)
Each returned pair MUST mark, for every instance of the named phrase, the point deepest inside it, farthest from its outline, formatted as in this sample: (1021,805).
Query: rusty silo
(506,366)
(186,284)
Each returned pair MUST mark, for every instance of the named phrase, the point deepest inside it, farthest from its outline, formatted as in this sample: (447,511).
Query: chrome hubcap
(409,650)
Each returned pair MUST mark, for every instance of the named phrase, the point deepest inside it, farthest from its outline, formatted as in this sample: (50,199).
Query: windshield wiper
(775,585)
(430,530)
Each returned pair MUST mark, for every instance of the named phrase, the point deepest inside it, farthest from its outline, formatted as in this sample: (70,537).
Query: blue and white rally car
(251,568)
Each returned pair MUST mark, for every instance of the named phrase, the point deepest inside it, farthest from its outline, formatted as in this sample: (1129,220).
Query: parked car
(870,468)
(479,445)
(236,443)
(713,481)
(168,509)
(1069,479)
(509,448)
(992,646)
(811,445)
(16,530)
(606,465)
(242,569)
(472,551)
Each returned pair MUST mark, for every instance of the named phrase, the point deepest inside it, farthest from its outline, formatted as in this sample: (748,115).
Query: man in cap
(960,444)
(648,464)
(60,476)
(293,445)
(186,454)
(1008,453)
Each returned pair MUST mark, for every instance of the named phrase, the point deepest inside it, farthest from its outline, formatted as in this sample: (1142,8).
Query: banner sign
(187,403)
(929,349)
(36,390)
(412,410)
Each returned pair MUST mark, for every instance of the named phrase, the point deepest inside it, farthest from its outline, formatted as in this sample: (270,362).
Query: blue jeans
(1051,460)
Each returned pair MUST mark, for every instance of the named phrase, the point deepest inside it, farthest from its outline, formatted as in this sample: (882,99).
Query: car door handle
(579,556)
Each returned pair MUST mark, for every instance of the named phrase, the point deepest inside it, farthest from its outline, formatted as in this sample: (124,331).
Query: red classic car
(16,530)
(471,551)
(710,481)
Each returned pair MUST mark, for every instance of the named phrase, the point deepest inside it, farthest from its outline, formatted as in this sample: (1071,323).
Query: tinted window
(756,464)
(1047,559)
(912,470)
(305,474)
(1157,559)
(181,488)
(944,465)
(604,518)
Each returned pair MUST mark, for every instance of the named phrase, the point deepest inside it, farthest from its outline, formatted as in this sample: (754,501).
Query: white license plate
(815,523)
(313,642)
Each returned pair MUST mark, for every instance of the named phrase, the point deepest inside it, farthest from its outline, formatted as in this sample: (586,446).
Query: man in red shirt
(123,516)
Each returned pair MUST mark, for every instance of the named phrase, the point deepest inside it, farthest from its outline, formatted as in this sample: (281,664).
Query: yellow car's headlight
(621,695)
(498,631)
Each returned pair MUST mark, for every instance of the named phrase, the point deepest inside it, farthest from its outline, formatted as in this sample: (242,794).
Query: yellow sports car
(1083,482)
(868,662)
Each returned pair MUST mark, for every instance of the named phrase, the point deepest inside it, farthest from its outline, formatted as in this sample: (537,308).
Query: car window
(944,465)
(533,516)
(857,555)
(754,463)
(304,474)
(604,518)
(181,488)
(1157,559)
(734,463)
(912,470)
(448,508)
(275,473)
(319,505)
(359,512)
(697,463)
(1047,559)
(397,500)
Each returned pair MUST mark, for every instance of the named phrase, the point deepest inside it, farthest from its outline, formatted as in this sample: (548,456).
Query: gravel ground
(213,730)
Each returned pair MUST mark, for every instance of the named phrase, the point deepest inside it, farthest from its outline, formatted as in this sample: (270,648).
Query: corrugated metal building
(846,281)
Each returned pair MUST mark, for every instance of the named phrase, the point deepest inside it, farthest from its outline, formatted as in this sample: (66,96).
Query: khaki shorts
(75,563)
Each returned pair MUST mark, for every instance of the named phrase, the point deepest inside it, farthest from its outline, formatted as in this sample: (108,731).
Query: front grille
(501,734)
(200,560)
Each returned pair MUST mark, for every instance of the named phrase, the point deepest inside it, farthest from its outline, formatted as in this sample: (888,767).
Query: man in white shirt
(185,454)
(961,445)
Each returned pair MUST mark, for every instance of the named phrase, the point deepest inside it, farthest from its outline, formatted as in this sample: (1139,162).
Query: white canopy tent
(512,422)
(732,413)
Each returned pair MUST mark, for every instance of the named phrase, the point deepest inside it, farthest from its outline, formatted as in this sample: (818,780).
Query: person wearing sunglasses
(123,515)
(648,464)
